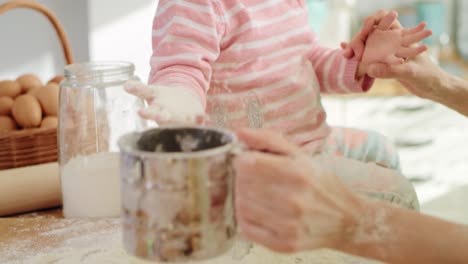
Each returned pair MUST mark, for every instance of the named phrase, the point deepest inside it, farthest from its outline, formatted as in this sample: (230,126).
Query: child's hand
(167,105)
(392,46)
(383,20)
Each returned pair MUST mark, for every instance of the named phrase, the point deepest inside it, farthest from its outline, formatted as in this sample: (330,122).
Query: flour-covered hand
(167,105)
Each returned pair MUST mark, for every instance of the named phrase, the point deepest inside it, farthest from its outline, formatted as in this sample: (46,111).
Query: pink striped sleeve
(335,73)
(186,37)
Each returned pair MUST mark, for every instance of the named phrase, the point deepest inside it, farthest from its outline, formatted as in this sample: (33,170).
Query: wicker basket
(32,146)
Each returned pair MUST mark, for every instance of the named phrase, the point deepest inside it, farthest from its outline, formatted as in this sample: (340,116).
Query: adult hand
(288,201)
(420,76)
(167,105)
(383,20)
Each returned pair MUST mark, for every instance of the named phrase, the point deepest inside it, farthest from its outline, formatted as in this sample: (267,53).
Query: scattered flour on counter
(39,215)
(91,186)
(74,241)
(64,241)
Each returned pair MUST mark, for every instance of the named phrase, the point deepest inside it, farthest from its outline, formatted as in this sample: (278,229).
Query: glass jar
(95,111)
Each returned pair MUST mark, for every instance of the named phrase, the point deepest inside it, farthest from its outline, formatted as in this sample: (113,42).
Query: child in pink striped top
(257,63)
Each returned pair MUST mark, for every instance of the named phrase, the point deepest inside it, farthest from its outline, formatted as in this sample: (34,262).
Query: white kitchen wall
(121,30)
(29,43)
(97,30)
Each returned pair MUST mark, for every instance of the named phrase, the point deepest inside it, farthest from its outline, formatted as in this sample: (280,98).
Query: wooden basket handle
(29,4)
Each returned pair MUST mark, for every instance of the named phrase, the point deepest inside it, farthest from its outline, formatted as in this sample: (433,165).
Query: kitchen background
(107,29)
(432,139)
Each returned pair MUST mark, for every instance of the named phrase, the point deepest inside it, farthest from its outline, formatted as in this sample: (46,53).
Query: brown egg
(9,88)
(57,79)
(29,82)
(7,124)
(5,105)
(27,111)
(49,99)
(34,92)
(49,122)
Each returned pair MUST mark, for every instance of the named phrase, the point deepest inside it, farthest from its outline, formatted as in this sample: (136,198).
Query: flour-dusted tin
(177,193)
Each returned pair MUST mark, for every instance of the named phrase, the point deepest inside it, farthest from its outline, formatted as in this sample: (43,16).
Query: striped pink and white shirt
(251,63)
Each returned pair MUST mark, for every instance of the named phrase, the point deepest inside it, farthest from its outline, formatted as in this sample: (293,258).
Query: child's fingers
(388,21)
(154,113)
(347,50)
(344,45)
(411,52)
(356,48)
(392,59)
(370,22)
(148,114)
(367,26)
(411,39)
(413,30)
(139,89)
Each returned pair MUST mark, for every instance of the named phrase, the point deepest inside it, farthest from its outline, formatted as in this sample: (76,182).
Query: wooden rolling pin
(29,188)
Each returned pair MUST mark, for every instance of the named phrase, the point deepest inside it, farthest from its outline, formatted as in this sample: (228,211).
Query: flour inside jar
(91,186)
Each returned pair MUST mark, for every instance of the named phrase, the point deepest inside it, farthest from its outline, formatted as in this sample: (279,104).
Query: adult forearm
(453,93)
(396,235)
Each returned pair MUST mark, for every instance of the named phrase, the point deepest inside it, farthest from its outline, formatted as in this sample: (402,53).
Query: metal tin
(177,193)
